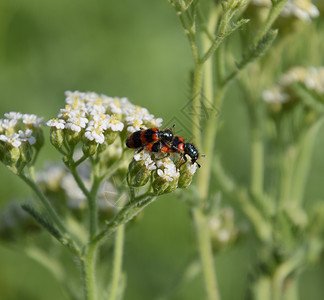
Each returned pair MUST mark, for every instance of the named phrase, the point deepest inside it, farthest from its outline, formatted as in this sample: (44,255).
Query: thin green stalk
(196,104)
(80,160)
(126,214)
(257,159)
(282,273)
(303,162)
(273,15)
(287,172)
(206,254)
(208,65)
(190,29)
(79,182)
(118,259)
(91,197)
(261,227)
(93,210)
(203,178)
(47,204)
(262,288)
(88,264)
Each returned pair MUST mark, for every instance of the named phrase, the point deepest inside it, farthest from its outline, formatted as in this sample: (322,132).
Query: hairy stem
(88,264)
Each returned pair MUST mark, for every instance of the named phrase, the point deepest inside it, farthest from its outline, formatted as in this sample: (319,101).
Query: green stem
(282,273)
(70,243)
(262,288)
(47,204)
(273,15)
(261,227)
(126,214)
(196,104)
(80,160)
(203,179)
(79,182)
(257,156)
(189,29)
(93,211)
(288,162)
(88,263)
(118,259)
(303,163)
(206,254)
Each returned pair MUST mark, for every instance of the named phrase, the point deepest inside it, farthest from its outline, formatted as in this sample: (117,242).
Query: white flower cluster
(312,78)
(301,9)
(167,169)
(96,115)
(165,166)
(18,128)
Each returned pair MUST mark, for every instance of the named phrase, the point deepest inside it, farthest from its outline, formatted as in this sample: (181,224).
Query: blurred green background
(122,48)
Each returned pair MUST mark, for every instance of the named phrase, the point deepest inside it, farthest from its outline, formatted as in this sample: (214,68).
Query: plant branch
(272,16)
(49,208)
(126,214)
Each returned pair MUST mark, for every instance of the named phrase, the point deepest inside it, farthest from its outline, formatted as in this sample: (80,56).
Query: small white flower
(143,155)
(167,169)
(192,168)
(135,126)
(223,235)
(114,124)
(76,123)
(27,136)
(215,223)
(301,9)
(8,124)
(57,123)
(275,95)
(115,106)
(73,97)
(13,115)
(165,174)
(31,119)
(156,122)
(94,133)
(13,140)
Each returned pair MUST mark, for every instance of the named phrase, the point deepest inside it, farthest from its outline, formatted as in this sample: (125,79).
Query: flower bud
(73,137)
(186,174)
(11,155)
(26,152)
(111,136)
(89,148)
(57,137)
(138,175)
(162,186)
(39,136)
